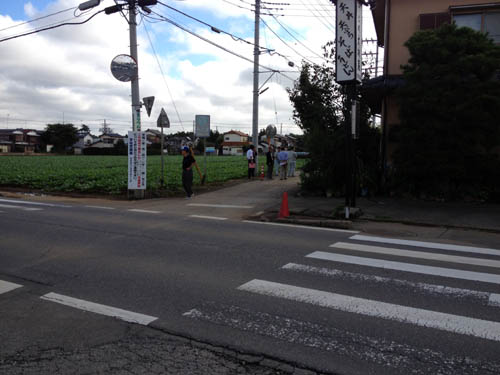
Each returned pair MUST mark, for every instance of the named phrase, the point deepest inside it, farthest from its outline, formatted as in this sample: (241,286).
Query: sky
(63,74)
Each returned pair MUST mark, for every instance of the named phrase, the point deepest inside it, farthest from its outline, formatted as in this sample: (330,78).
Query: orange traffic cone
(262,175)
(284,212)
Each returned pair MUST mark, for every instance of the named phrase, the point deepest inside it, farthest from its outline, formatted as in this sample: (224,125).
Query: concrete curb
(427,224)
(326,223)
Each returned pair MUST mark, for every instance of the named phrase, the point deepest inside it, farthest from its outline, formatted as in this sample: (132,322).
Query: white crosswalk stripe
(424,318)
(417,254)
(6,286)
(390,301)
(428,245)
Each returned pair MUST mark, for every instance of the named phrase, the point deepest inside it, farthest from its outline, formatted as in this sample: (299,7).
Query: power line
(310,50)
(218,30)
(217,45)
(38,19)
(51,27)
(293,49)
(163,75)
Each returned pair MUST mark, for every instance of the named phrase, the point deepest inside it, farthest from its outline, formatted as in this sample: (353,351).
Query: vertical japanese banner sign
(137,160)
(349,17)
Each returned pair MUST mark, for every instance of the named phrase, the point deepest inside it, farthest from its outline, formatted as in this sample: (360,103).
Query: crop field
(108,174)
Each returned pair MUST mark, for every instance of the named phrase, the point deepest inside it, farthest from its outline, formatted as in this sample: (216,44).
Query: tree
(449,111)
(319,110)
(84,129)
(61,136)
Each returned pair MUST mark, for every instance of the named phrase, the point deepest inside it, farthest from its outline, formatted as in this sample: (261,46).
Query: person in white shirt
(251,162)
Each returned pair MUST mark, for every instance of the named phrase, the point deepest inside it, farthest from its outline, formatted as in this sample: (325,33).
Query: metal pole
(162,162)
(256,53)
(204,157)
(348,152)
(136,102)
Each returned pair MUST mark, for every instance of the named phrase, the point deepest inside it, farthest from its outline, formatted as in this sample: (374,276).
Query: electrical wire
(39,18)
(163,75)
(305,46)
(285,43)
(218,45)
(51,27)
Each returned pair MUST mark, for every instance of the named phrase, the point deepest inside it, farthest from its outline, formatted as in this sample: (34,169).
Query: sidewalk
(477,216)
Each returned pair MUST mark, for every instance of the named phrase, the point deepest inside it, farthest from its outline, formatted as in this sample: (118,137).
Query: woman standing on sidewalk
(251,162)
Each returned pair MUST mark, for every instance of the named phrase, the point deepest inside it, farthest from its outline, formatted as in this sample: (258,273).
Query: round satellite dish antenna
(124,68)
(271,130)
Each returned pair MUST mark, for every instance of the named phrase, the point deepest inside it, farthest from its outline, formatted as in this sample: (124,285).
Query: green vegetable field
(108,174)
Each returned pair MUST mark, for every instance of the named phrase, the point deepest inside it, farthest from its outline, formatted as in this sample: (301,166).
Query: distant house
(111,138)
(279,140)
(85,140)
(154,136)
(173,143)
(234,142)
(20,140)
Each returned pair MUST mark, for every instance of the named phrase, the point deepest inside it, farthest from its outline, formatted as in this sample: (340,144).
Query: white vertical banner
(137,160)
(348,41)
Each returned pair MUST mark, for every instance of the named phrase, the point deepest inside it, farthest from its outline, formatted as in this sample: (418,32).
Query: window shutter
(442,18)
(427,21)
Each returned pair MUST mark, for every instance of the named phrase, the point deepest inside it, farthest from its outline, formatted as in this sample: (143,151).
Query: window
(434,20)
(484,22)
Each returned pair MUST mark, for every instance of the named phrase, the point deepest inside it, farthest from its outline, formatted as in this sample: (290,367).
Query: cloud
(66,70)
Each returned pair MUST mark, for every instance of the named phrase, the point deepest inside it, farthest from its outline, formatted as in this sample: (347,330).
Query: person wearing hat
(187,171)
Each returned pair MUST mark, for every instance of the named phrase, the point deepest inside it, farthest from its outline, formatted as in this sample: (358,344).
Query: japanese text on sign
(348,41)
(137,162)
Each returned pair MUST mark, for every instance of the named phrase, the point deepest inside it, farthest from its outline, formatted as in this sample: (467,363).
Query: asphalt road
(324,300)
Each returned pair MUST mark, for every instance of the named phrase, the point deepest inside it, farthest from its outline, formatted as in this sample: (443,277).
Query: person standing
(283,160)
(251,162)
(187,171)
(292,161)
(270,162)
(276,162)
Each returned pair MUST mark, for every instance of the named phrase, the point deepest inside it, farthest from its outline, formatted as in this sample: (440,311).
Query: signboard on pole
(163,121)
(348,41)
(148,103)
(202,126)
(137,160)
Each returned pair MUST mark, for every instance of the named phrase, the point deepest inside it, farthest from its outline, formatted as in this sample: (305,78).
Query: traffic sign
(163,121)
(202,126)
(148,103)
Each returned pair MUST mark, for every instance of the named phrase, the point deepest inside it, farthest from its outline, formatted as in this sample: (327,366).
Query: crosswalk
(413,268)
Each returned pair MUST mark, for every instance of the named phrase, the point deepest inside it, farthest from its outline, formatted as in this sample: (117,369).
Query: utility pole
(256,53)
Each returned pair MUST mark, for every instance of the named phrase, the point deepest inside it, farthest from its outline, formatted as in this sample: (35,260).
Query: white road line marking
(259,213)
(417,254)
(144,211)
(407,267)
(430,245)
(441,290)
(217,205)
(114,312)
(208,217)
(6,286)
(300,226)
(494,299)
(424,318)
(101,207)
(21,208)
(33,203)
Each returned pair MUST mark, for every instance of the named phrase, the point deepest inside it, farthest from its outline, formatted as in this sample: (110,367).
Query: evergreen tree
(319,110)
(449,112)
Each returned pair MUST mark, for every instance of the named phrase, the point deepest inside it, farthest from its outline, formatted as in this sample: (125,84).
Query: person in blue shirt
(283,161)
